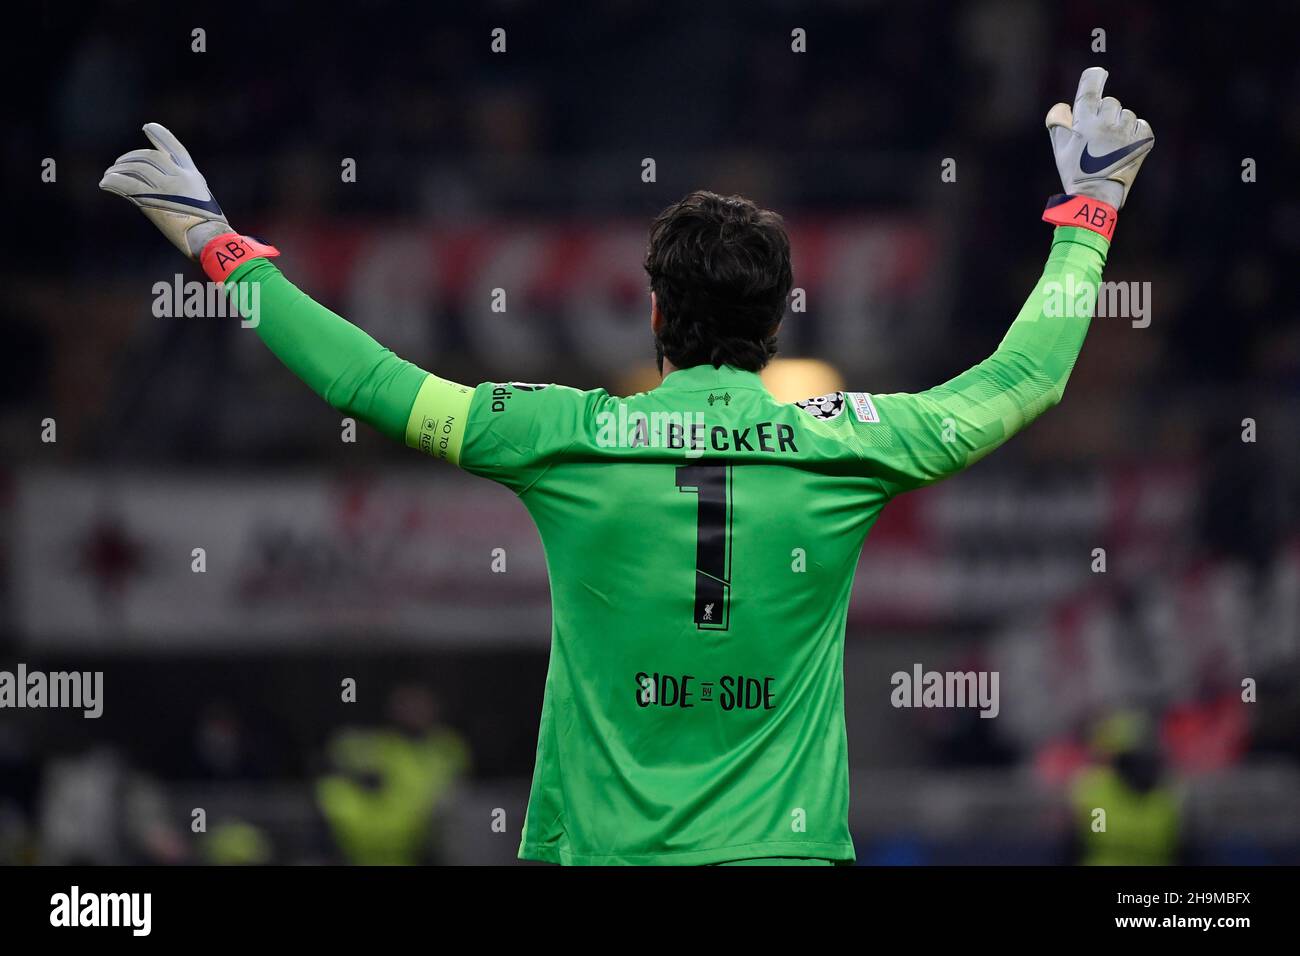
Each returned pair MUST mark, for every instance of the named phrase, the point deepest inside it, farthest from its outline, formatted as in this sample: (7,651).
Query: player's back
(701,540)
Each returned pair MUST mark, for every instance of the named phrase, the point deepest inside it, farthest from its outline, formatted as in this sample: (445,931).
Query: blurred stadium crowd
(523,171)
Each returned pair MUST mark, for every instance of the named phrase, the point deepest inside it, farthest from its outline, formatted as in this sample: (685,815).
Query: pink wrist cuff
(1082,211)
(225,253)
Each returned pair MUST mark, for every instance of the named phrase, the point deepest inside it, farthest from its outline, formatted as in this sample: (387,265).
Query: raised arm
(348,368)
(337,360)
(1099,147)
(938,432)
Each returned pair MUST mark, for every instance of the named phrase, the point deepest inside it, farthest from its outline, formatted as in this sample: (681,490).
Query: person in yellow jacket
(381,801)
(1125,813)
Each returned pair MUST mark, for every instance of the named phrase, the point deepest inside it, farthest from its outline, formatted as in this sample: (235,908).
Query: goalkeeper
(693,711)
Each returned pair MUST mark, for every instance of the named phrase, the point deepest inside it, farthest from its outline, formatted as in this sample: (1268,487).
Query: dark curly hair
(719,267)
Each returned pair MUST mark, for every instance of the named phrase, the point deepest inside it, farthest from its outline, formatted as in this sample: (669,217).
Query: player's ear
(656,317)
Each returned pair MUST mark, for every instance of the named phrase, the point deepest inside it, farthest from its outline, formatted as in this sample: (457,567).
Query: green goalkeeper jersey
(701,540)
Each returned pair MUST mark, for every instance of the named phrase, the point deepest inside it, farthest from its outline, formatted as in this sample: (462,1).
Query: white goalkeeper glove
(1099,146)
(170,190)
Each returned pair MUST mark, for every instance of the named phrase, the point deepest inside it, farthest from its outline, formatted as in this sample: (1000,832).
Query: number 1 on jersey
(712,484)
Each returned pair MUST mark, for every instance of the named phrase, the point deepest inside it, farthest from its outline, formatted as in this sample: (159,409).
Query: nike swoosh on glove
(1099,145)
(169,189)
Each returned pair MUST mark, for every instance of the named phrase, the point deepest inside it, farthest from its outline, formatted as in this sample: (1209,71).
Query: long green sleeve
(337,360)
(938,432)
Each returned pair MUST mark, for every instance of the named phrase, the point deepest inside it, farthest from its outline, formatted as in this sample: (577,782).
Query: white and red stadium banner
(432,555)
(534,299)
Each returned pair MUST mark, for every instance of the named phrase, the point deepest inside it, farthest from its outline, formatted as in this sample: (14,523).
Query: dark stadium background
(329,560)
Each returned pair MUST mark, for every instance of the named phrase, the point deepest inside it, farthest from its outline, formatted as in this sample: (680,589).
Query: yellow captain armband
(437,423)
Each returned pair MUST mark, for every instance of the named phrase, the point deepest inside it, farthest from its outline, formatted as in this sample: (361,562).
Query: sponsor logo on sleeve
(862,406)
(503,392)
